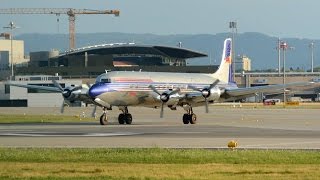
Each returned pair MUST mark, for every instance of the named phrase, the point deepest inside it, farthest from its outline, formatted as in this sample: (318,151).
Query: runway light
(232,144)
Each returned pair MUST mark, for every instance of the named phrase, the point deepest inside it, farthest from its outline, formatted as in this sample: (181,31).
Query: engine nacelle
(70,95)
(214,94)
(169,99)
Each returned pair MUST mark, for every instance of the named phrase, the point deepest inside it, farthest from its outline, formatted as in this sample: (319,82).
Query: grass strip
(156,163)
(158,156)
(155,171)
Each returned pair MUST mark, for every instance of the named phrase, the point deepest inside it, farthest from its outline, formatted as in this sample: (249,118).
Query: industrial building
(41,58)
(243,63)
(17,48)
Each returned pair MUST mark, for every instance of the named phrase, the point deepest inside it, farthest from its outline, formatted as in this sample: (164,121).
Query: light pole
(233,27)
(11,26)
(279,56)
(312,54)
(284,46)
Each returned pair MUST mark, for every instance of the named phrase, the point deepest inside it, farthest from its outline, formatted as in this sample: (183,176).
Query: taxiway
(251,128)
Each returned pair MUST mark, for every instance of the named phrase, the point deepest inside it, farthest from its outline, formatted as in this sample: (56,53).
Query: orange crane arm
(67,11)
(57,11)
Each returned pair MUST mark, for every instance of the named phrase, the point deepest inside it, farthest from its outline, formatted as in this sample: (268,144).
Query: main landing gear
(124,118)
(189,117)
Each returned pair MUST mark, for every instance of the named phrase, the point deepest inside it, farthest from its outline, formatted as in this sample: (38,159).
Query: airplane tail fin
(224,72)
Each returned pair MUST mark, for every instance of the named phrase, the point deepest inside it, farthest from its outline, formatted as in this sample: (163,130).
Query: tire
(186,119)
(103,119)
(128,118)
(193,119)
(121,118)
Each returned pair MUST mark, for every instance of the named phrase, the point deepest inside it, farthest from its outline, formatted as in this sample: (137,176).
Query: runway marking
(59,134)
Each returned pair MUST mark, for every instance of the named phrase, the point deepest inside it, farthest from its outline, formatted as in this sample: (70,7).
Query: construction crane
(57,11)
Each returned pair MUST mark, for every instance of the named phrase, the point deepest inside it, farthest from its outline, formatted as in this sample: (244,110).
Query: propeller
(206,92)
(66,93)
(164,97)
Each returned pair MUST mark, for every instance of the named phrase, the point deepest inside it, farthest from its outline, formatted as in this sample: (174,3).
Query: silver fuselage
(121,88)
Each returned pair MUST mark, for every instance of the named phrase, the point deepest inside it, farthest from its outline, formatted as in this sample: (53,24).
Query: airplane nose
(97,89)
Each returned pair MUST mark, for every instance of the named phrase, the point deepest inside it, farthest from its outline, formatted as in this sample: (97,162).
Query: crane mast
(57,11)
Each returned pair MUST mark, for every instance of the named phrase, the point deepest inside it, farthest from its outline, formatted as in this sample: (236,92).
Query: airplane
(162,89)
(123,89)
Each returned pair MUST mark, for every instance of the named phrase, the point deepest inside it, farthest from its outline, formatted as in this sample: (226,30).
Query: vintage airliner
(160,89)
(123,89)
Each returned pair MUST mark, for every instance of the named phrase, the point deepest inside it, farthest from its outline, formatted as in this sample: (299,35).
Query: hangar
(127,54)
(93,60)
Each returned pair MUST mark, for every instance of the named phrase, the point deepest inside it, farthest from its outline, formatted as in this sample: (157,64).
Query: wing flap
(52,89)
(261,89)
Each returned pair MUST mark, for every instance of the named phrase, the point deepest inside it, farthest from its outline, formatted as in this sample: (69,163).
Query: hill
(259,47)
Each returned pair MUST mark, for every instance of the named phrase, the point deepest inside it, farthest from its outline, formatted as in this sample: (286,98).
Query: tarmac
(252,128)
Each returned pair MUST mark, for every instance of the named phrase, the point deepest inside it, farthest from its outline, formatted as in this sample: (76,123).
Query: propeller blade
(214,84)
(161,112)
(56,84)
(174,91)
(94,111)
(62,107)
(207,105)
(76,88)
(154,89)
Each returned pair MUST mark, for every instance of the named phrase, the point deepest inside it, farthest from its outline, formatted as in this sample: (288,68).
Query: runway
(251,128)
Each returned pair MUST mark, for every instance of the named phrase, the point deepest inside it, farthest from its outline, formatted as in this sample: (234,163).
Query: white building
(18,53)
(18,96)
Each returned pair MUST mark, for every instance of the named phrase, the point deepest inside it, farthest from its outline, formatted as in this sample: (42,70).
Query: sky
(278,18)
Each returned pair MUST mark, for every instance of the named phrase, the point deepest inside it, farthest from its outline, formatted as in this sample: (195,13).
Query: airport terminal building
(93,60)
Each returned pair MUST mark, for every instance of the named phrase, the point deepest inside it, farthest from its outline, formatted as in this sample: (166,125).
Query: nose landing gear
(104,117)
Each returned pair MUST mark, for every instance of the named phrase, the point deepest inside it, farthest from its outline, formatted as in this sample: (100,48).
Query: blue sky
(280,18)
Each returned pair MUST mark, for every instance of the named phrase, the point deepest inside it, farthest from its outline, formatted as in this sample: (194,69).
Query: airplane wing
(249,91)
(47,88)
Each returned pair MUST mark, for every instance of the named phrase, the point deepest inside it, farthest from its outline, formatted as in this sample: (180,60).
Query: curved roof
(174,52)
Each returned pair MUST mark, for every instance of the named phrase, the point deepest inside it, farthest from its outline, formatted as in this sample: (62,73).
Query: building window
(54,78)
(35,78)
(6,89)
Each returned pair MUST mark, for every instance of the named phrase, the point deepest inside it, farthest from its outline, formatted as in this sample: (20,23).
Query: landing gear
(121,119)
(189,117)
(125,116)
(104,117)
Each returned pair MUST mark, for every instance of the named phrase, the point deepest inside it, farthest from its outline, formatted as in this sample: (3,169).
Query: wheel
(186,119)
(103,119)
(121,118)
(193,118)
(128,118)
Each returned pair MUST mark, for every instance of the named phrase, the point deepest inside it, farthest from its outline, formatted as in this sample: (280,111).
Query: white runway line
(68,135)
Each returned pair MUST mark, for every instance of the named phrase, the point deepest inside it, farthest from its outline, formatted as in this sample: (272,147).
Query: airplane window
(105,80)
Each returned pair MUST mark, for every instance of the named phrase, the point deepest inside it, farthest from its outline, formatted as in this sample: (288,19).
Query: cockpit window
(105,80)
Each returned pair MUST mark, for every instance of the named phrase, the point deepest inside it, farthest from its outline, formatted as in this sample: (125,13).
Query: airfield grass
(157,163)
(20,118)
